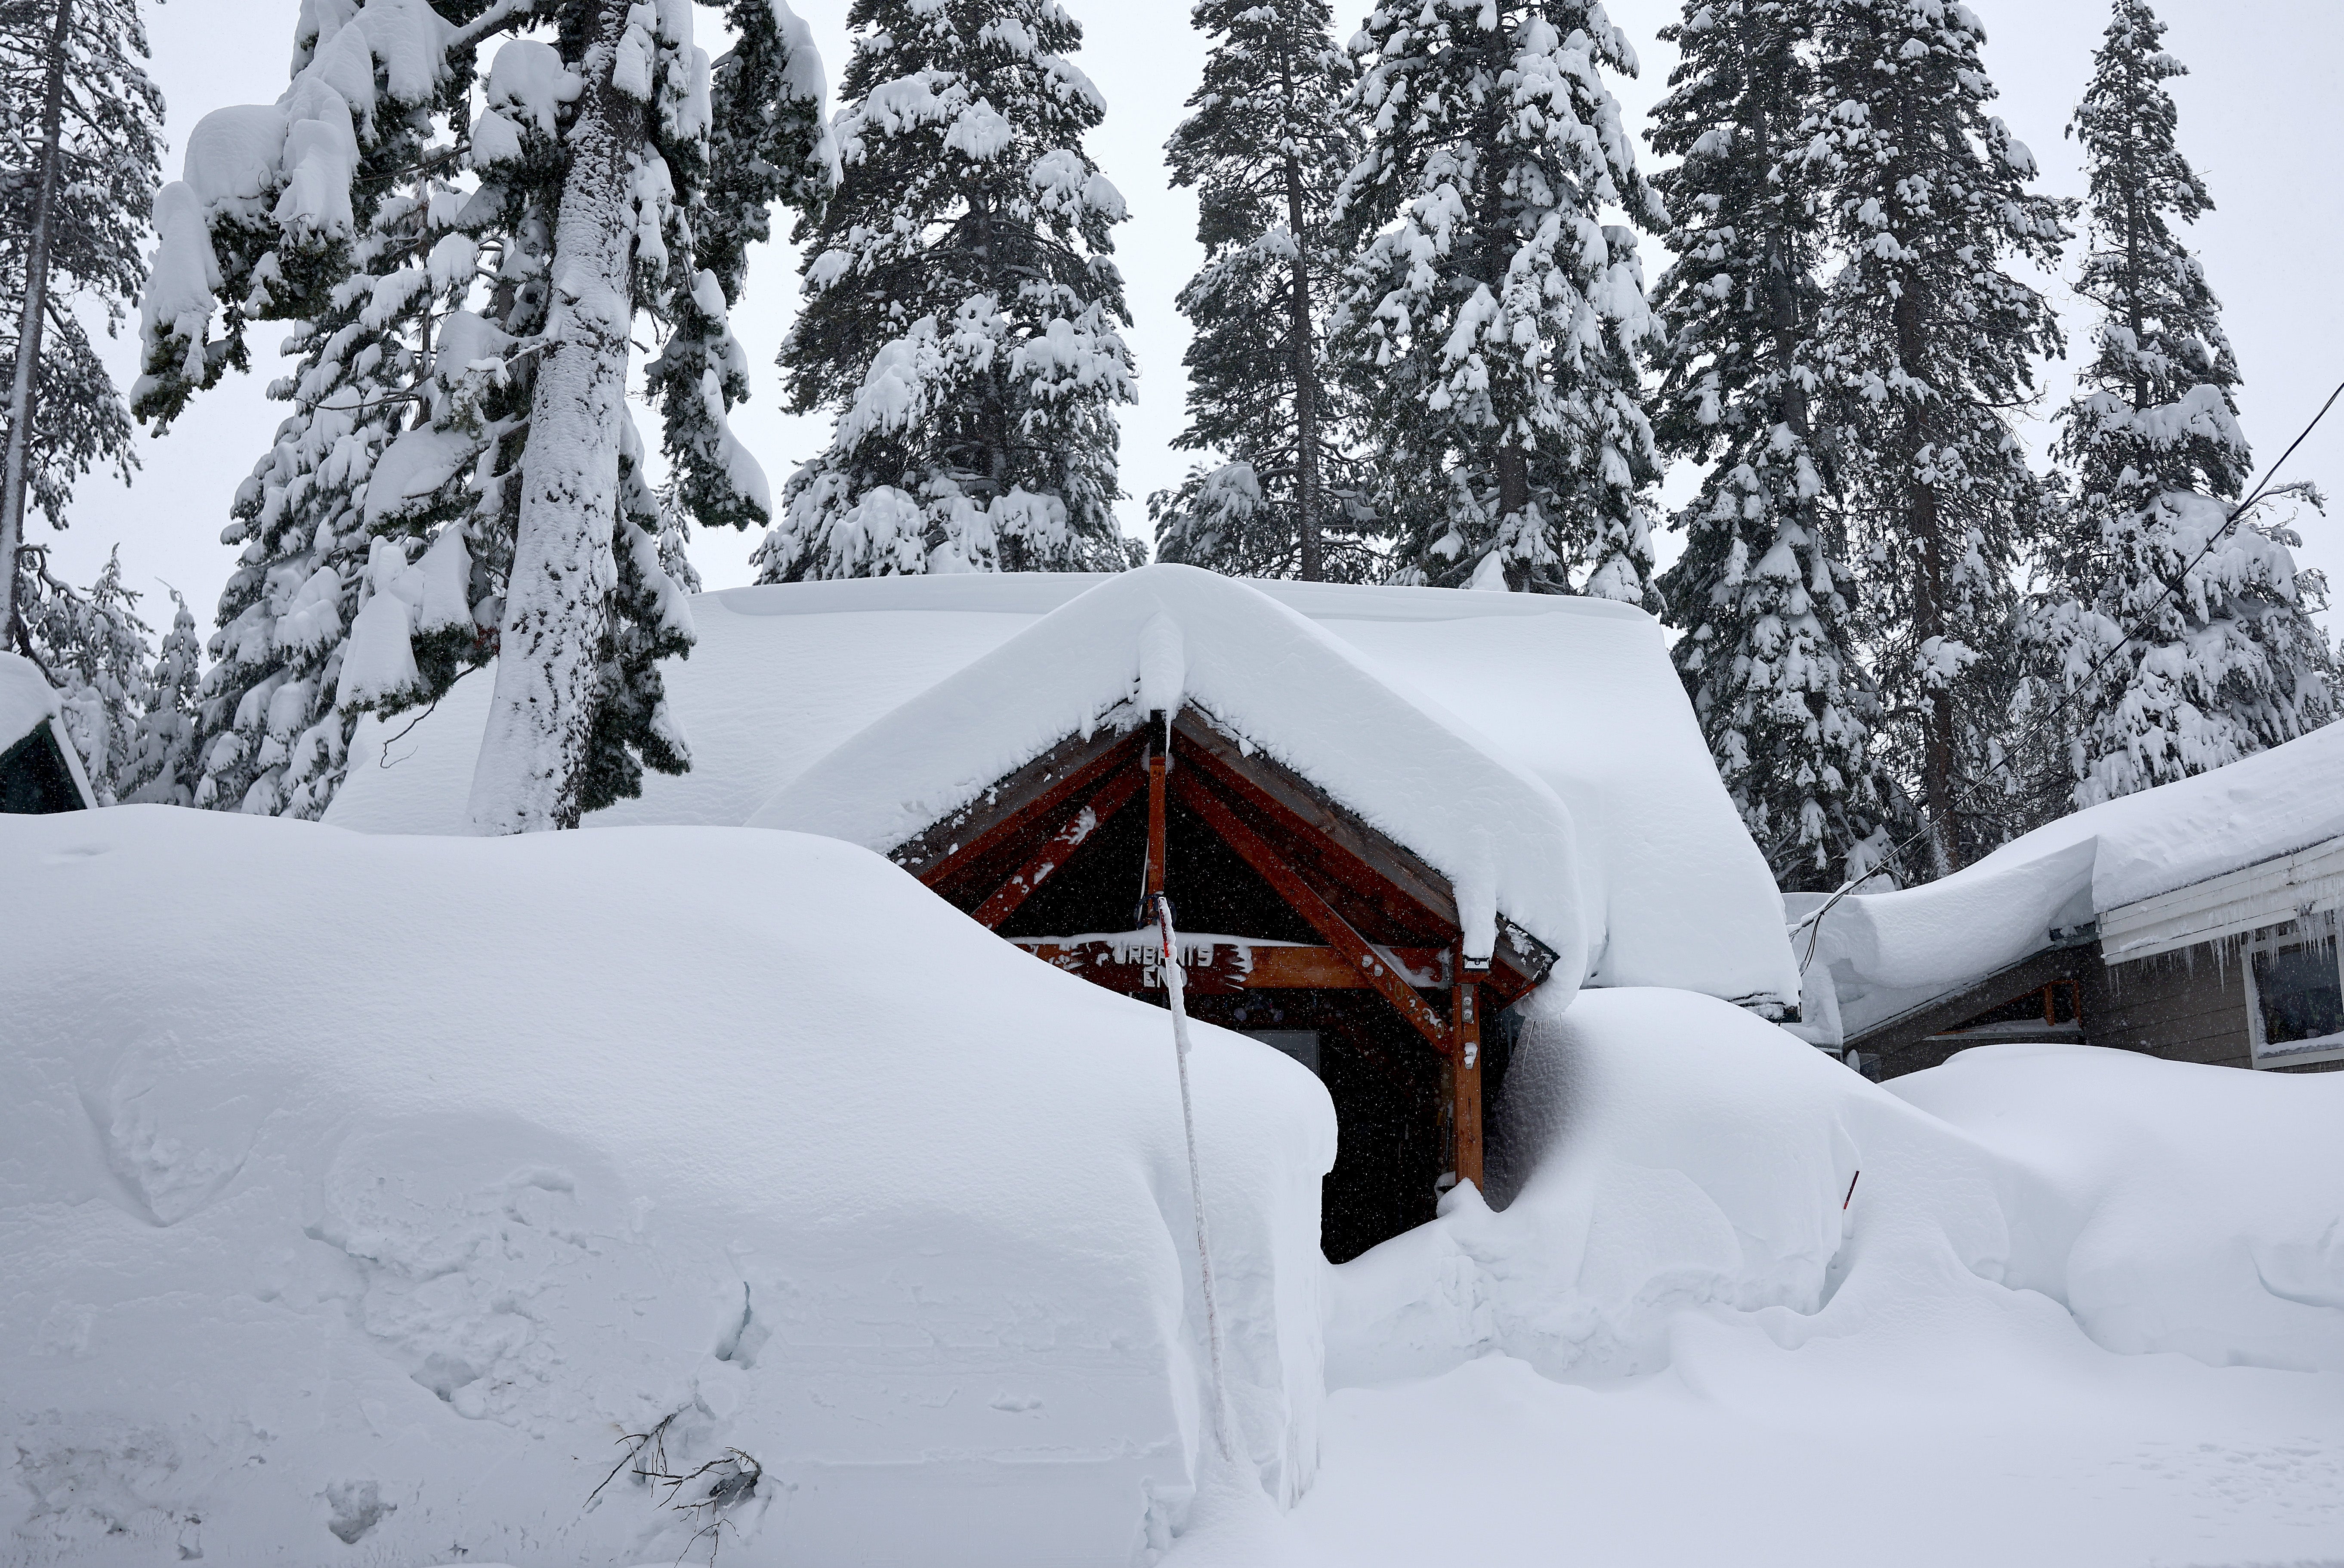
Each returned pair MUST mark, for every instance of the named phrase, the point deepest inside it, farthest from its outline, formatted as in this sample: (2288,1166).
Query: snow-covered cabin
(1382,815)
(38,770)
(2195,921)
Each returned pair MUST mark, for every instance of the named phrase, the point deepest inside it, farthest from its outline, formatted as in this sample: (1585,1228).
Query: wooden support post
(1305,901)
(1028,878)
(1465,1076)
(1156,846)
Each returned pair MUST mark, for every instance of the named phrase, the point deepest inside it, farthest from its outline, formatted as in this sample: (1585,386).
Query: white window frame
(2292,933)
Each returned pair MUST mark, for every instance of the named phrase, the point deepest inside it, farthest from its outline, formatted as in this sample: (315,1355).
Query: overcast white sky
(2259,116)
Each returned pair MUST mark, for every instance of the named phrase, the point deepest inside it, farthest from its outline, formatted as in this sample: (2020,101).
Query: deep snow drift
(1676,1347)
(367,1190)
(358,1193)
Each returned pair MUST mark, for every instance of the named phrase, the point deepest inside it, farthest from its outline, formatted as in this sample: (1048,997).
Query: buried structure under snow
(38,770)
(2196,921)
(1383,815)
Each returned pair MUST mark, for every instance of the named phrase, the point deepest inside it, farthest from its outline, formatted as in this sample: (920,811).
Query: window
(2295,992)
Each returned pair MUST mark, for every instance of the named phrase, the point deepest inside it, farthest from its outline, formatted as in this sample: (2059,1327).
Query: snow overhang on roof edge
(1164,635)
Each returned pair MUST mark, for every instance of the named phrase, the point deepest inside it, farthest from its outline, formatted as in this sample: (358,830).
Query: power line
(1814,922)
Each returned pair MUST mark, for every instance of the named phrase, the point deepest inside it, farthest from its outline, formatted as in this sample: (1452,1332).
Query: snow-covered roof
(1887,952)
(26,699)
(1539,751)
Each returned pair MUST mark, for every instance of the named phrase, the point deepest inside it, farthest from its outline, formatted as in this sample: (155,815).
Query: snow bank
(1574,694)
(366,1191)
(2170,1206)
(1151,639)
(1660,1154)
(1675,1348)
(1886,951)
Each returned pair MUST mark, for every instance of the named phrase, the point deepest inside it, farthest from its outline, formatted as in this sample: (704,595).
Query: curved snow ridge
(1167,634)
(2002,908)
(1040,592)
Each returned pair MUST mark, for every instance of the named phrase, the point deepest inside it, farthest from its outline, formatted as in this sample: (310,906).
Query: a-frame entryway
(1297,919)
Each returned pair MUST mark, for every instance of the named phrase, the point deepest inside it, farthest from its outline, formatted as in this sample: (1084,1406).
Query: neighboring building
(1383,815)
(38,770)
(2196,921)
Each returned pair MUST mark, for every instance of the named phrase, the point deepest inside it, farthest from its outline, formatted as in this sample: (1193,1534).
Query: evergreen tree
(466,257)
(1498,323)
(1764,591)
(962,316)
(81,124)
(1925,344)
(96,651)
(162,769)
(1266,145)
(2182,640)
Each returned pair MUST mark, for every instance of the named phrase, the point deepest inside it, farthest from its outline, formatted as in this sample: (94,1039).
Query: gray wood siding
(2187,1006)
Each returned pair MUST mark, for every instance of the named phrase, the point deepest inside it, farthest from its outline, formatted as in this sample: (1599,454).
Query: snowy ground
(357,1193)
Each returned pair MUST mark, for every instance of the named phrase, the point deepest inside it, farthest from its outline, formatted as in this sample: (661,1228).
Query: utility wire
(1813,923)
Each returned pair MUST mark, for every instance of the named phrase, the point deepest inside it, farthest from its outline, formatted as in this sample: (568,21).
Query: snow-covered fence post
(564,571)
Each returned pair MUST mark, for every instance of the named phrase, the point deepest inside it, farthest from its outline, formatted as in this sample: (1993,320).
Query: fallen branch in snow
(732,1477)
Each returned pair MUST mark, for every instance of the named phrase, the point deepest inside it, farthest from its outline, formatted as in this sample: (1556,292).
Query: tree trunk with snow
(557,608)
(21,389)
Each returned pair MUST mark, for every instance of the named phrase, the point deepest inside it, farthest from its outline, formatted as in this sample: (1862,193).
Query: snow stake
(1851,1192)
(1174,984)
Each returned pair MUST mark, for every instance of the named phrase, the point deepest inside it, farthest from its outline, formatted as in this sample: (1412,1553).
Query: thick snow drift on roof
(1956,1368)
(369,1203)
(1148,641)
(26,698)
(1888,951)
(1575,692)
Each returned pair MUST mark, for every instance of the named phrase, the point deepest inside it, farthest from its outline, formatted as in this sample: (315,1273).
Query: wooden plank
(1466,1081)
(1900,1039)
(1034,794)
(1306,902)
(1152,879)
(1235,966)
(1385,876)
(1121,785)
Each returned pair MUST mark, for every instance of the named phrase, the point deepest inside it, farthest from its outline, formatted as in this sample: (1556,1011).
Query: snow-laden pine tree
(2177,639)
(96,651)
(1927,345)
(162,767)
(1496,321)
(467,253)
(962,314)
(1764,591)
(80,133)
(1268,141)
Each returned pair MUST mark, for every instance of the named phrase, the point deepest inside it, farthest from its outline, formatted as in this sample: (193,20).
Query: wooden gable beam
(1235,966)
(1028,879)
(1401,886)
(1305,901)
(951,848)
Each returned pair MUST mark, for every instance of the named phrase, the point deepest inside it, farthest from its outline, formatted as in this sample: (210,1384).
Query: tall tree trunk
(557,608)
(1305,366)
(1305,389)
(1930,594)
(21,390)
